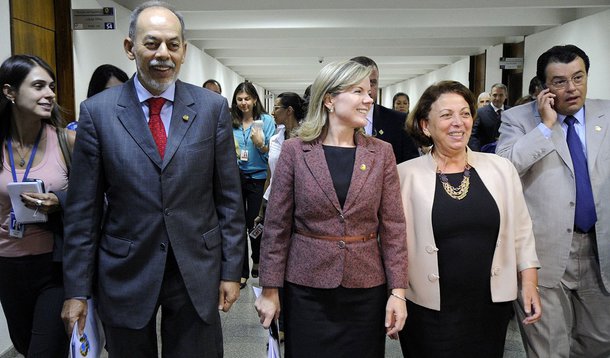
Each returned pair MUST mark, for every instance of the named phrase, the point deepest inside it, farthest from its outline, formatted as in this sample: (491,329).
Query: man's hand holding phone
(546,107)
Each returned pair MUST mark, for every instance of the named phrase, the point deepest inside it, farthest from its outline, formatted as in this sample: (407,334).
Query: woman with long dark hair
(31,132)
(252,129)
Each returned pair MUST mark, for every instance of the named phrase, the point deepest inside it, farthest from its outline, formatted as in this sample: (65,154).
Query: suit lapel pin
(598,128)
(185,118)
(381,132)
(363,167)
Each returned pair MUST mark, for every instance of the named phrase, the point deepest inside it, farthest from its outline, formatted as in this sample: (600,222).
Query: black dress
(469,324)
(336,322)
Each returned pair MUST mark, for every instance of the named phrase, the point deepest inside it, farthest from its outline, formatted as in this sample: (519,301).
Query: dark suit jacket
(389,126)
(485,128)
(191,199)
(303,201)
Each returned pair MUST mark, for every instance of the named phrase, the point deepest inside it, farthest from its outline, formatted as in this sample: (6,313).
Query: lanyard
(243,133)
(32,155)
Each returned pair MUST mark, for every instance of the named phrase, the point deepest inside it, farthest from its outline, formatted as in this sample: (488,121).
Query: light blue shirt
(256,165)
(579,126)
(168,107)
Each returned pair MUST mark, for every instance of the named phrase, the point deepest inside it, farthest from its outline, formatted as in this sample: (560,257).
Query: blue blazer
(190,200)
(389,126)
(485,128)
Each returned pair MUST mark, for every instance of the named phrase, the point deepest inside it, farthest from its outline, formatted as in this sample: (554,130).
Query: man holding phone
(560,147)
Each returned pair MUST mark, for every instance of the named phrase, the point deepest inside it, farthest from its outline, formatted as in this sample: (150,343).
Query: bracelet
(400,298)
(531,284)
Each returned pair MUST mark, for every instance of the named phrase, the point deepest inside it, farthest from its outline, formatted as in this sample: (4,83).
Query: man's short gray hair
(133,19)
(499,85)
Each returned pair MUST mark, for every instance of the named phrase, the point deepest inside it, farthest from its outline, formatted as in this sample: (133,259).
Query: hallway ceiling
(279,44)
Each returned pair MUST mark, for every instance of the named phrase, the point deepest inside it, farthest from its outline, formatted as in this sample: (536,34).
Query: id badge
(243,155)
(16,229)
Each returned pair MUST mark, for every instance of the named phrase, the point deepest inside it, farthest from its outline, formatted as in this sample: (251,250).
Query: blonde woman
(334,234)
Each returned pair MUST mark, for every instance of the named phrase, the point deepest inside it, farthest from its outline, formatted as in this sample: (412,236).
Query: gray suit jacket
(546,171)
(191,199)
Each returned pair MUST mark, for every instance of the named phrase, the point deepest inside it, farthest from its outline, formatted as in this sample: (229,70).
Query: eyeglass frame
(578,80)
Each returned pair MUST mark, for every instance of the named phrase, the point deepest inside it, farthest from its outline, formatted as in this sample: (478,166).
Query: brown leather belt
(346,239)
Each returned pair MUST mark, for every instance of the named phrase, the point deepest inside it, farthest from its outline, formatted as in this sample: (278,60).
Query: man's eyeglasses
(561,83)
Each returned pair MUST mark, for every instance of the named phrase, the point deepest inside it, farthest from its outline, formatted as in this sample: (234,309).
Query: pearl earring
(331,109)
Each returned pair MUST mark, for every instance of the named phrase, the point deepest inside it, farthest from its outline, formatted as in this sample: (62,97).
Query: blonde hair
(334,78)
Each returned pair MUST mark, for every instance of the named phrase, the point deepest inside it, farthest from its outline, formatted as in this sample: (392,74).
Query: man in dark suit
(387,124)
(172,236)
(485,131)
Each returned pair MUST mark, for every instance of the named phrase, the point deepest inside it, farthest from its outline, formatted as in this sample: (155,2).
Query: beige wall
(96,47)
(589,33)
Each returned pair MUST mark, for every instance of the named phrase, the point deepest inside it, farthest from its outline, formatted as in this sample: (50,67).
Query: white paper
(24,214)
(274,344)
(93,339)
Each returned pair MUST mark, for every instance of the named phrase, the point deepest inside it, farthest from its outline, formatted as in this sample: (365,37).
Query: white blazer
(515,248)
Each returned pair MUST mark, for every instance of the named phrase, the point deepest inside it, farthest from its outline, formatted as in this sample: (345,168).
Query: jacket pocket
(211,239)
(117,246)
(205,144)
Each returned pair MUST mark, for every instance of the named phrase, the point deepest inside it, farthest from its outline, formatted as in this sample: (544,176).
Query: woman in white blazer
(469,235)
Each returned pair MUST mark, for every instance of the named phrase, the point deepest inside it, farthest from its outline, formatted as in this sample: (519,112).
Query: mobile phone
(257,231)
(258,124)
(39,181)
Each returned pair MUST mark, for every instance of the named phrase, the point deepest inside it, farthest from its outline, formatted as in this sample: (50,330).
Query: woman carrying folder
(31,289)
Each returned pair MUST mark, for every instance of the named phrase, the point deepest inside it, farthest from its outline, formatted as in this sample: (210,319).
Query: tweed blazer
(515,247)
(547,174)
(303,200)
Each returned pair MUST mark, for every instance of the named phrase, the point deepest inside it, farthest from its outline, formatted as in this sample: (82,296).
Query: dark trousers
(32,296)
(252,192)
(183,332)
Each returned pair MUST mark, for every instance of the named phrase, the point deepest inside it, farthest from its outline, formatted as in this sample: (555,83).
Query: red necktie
(156,124)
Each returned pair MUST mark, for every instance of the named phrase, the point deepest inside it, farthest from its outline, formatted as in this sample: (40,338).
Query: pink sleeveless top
(52,170)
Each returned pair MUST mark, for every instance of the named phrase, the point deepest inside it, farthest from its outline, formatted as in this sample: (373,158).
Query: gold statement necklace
(459,192)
